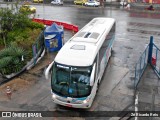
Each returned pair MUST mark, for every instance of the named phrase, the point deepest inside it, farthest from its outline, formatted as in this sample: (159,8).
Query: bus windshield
(71,81)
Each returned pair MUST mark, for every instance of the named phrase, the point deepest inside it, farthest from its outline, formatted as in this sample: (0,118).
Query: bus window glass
(60,79)
(81,75)
(71,81)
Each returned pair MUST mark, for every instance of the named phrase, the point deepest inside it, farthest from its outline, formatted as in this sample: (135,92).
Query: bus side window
(109,36)
(103,49)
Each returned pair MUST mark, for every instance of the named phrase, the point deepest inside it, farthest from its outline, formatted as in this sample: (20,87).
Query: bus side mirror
(92,75)
(47,70)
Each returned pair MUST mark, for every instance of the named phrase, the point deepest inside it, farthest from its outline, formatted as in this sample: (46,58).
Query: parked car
(38,1)
(92,3)
(57,2)
(27,8)
(80,2)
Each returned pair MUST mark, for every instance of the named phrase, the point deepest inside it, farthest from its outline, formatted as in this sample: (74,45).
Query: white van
(57,2)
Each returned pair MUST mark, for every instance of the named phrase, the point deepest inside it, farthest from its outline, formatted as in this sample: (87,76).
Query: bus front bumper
(72,105)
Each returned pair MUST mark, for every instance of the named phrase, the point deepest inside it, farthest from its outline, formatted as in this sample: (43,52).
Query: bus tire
(111,49)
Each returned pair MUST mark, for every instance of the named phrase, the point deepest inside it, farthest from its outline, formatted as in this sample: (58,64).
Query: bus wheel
(111,49)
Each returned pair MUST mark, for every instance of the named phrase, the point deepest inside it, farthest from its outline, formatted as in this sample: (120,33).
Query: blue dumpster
(53,37)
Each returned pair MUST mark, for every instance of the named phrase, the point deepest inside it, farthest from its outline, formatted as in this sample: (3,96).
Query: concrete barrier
(50,22)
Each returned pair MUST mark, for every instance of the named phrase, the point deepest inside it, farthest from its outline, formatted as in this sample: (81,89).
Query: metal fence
(151,56)
(38,47)
(141,66)
(155,63)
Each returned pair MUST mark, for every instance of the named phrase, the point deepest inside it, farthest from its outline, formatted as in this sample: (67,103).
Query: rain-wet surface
(133,29)
(148,92)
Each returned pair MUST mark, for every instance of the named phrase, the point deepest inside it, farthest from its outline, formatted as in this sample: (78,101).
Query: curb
(112,3)
(68,26)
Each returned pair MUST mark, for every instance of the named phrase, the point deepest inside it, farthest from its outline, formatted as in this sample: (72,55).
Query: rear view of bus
(79,65)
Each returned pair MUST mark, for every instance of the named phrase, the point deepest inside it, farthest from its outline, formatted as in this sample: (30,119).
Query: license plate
(68,105)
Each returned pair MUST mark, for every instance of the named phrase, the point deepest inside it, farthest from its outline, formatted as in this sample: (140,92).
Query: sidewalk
(144,5)
(136,6)
(148,91)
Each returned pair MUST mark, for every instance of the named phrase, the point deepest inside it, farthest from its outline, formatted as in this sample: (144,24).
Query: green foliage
(34,25)
(7,19)
(12,20)
(5,60)
(11,59)
(21,21)
(1,42)
(24,38)
(17,33)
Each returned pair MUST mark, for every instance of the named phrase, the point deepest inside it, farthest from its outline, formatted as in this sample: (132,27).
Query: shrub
(12,59)
(16,28)
(34,25)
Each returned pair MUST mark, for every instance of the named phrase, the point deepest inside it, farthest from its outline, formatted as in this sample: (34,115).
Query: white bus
(79,66)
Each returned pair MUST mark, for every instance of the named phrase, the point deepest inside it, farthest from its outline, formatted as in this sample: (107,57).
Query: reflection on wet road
(133,30)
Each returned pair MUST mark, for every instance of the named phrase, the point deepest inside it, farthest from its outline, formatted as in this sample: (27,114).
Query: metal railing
(151,56)
(141,66)
(38,47)
(155,63)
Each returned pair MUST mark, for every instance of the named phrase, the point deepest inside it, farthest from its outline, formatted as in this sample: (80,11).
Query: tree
(17,33)
(11,19)
(6,22)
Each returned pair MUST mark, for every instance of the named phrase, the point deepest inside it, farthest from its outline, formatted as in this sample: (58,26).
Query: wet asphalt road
(133,29)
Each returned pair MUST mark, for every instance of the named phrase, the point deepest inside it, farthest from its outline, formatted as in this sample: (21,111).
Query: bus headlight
(53,96)
(85,101)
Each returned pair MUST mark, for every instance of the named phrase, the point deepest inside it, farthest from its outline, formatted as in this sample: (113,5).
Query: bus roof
(82,48)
